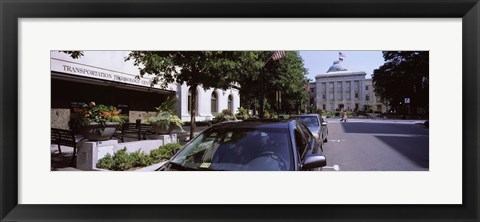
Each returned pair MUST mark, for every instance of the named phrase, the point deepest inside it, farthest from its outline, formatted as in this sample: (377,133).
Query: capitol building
(341,89)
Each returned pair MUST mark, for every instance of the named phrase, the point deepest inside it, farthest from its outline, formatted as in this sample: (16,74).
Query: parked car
(250,145)
(317,126)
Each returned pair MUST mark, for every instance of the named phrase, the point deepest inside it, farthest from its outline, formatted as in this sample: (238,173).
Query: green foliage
(267,114)
(168,105)
(141,159)
(106,162)
(405,74)
(74,54)
(225,115)
(92,113)
(166,115)
(164,152)
(319,111)
(164,119)
(122,160)
(285,75)
(367,109)
(242,113)
(209,69)
(328,113)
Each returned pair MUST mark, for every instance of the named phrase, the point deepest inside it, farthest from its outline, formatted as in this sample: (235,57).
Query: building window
(323,96)
(214,103)
(366,87)
(367,97)
(324,107)
(230,102)
(356,106)
(356,95)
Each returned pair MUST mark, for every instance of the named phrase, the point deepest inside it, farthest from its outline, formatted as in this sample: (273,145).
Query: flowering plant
(92,113)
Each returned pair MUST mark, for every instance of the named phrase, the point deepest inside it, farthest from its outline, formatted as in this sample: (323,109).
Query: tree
(285,75)
(404,75)
(209,69)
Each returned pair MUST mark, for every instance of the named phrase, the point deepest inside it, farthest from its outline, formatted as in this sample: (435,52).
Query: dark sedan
(317,125)
(258,145)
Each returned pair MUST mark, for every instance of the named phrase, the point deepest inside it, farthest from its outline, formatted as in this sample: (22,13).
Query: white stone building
(341,89)
(106,78)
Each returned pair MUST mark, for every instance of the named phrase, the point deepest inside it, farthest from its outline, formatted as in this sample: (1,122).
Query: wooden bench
(63,137)
(139,131)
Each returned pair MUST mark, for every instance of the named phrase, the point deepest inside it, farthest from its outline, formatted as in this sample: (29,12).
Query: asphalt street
(377,145)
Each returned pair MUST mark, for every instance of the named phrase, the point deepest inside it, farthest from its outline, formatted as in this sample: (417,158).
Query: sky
(318,62)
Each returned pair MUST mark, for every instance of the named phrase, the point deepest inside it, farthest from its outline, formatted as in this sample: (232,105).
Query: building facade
(340,89)
(106,78)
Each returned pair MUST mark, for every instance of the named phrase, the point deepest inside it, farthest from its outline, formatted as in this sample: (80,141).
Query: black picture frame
(11,11)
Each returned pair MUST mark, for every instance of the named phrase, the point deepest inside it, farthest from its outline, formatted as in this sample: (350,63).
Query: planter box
(90,152)
(95,132)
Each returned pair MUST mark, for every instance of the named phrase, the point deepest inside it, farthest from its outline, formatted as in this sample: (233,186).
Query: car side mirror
(314,161)
(324,123)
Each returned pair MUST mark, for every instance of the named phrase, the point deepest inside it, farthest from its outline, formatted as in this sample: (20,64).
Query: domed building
(337,66)
(342,89)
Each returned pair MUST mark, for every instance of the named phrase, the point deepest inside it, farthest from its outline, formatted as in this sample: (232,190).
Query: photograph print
(312,110)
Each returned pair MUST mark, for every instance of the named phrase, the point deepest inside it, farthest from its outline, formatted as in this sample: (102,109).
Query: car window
(238,149)
(300,141)
(309,121)
(305,132)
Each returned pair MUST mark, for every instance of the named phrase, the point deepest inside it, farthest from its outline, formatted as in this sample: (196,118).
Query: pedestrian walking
(344,116)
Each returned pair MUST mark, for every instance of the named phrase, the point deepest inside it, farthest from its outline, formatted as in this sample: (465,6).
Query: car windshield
(237,149)
(309,121)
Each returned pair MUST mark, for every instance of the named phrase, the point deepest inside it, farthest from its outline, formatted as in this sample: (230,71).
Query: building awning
(100,82)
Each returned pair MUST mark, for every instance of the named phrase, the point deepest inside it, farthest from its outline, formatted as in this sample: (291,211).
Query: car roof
(255,123)
(304,115)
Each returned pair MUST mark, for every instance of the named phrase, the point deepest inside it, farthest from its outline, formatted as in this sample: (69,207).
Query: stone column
(318,93)
(361,94)
(352,94)
(344,94)
(327,94)
(334,92)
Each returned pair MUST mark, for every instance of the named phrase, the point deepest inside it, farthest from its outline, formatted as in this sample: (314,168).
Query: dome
(337,66)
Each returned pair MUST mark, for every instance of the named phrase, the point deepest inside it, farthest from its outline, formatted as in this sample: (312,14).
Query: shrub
(106,162)
(319,111)
(164,152)
(141,159)
(122,160)
(242,113)
(225,115)
(327,113)
(266,114)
